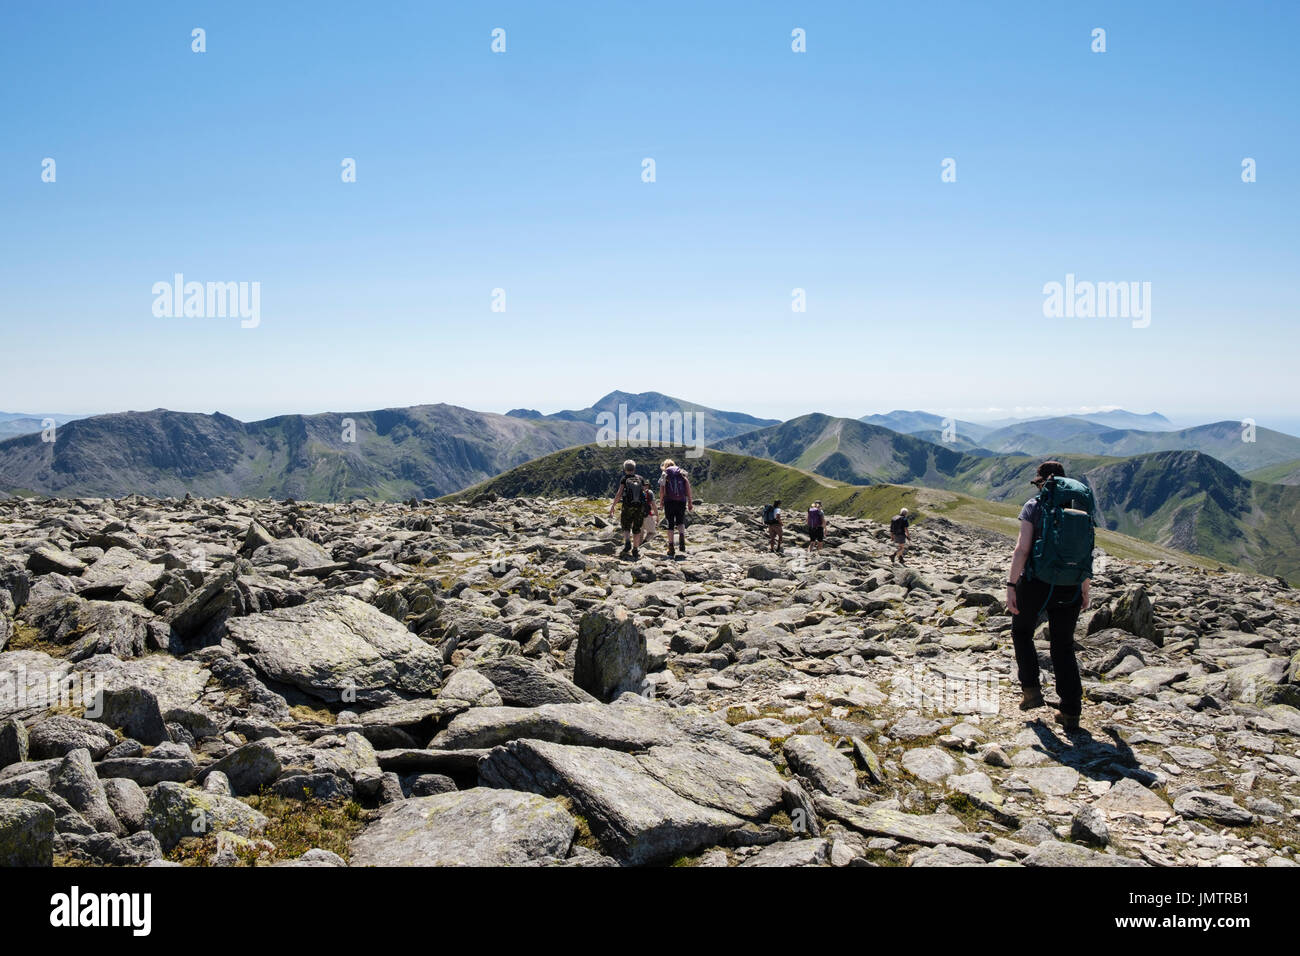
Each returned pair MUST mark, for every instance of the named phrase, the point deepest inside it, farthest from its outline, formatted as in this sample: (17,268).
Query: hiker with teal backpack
(1051,571)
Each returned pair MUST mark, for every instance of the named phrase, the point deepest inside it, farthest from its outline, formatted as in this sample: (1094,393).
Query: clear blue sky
(775,170)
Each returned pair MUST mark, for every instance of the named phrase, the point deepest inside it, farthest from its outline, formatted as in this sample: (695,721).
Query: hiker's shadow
(1096,759)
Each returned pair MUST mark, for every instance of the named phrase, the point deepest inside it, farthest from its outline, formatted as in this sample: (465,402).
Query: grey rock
(61,734)
(14,744)
(128,802)
(338,645)
(1055,853)
(1213,806)
(76,782)
(1089,826)
(176,812)
(135,711)
(822,765)
(248,768)
(611,654)
(479,827)
(521,683)
(26,833)
(814,852)
(637,819)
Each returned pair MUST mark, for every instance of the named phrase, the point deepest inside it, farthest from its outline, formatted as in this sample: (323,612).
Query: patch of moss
(313,715)
(28,638)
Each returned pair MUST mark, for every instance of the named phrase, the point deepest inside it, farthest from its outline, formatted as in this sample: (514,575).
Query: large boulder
(337,649)
(637,818)
(119,628)
(1132,612)
(118,571)
(135,711)
(248,768)
(75,780)
(479,827)
(293,553)
(610,658)
(13,742)
(521,683)
(61,734)
(26,833)
(177,812)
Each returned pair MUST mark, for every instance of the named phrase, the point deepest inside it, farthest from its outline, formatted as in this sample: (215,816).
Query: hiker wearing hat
(899,530)
(637,503)
(1051,570)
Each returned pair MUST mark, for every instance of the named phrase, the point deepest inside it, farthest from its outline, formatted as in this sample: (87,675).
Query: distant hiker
(775,529)
(675,493)
(899,530)
(1051,570)
(816,526)
(636,502)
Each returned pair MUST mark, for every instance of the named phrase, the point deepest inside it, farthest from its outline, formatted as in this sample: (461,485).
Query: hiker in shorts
(675,493)
(899,526)
(1028,597)
(633,495)
(775,529)
(816,527)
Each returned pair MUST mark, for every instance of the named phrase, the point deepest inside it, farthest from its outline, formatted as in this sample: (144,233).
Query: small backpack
(769,514)
(898,525)
(674,485)
(1066,533)
(633,490)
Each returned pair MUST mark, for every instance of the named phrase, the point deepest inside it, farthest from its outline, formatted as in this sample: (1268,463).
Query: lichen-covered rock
(479,827)
(338,646)
(177,812)
(26,833)
(247,768)
(1132,612)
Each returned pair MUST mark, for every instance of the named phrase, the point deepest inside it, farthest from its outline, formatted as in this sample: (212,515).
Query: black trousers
(1062,615)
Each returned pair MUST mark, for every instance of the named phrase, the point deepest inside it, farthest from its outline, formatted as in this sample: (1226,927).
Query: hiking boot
(671,552)
(681,545)
(1032,698)
(627,549)
(636,554)
(1069,722)
(893,558)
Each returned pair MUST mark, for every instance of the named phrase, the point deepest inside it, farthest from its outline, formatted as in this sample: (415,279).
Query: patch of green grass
(294,827)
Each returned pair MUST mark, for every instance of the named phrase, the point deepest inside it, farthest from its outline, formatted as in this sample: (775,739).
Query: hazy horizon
(976,416)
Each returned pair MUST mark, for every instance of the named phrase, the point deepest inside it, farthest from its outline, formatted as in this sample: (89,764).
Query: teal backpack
(1063,549)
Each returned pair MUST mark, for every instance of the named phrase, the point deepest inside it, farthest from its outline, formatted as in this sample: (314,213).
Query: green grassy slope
(592,472)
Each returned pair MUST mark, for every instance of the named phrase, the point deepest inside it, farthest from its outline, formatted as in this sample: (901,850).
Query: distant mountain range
(422,451)
(1173,488)
(716,425)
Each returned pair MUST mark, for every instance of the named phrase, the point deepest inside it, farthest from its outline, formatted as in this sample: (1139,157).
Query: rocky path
(225,681)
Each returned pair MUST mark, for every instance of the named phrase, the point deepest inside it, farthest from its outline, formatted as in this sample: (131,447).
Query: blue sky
(775,170)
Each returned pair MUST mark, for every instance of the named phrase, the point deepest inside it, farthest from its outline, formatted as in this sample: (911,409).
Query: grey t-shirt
(1031,512)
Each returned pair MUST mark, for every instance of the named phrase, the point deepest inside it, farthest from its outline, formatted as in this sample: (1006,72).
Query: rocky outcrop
(491,684)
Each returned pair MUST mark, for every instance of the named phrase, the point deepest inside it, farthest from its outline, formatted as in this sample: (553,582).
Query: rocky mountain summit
(231,681)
